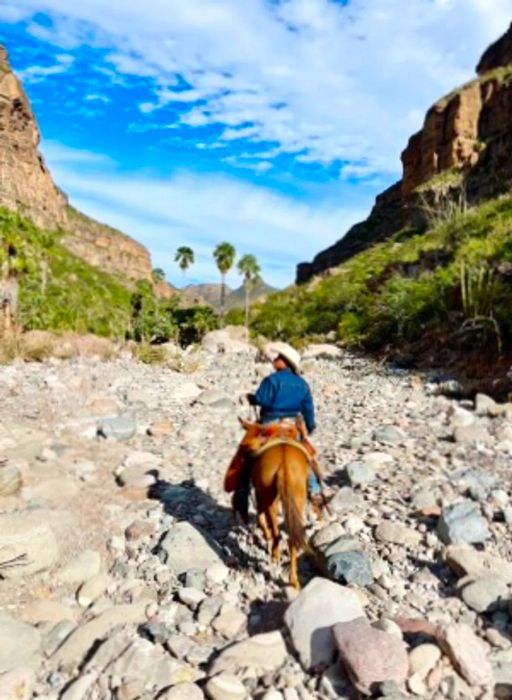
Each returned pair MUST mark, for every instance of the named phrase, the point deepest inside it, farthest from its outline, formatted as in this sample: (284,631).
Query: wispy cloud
(201,211)
(36,74)
(323,80)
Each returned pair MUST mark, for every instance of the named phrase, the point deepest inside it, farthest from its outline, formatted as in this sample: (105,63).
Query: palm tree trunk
(222,298)
(247,302)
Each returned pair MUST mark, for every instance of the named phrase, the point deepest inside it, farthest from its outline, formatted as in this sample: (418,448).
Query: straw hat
(273,350)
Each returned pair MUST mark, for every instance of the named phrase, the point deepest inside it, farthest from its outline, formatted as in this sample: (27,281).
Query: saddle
(261,437)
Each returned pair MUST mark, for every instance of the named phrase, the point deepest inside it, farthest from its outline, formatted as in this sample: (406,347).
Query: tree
(47,240)
(158,275)
(250,270)
(224,255)
(184,257)
(14,261)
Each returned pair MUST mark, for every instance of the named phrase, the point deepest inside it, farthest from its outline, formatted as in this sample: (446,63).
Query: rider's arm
(308,411)
(265,395)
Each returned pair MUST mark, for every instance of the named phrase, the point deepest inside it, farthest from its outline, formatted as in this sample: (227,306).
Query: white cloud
(200,211)
(315,77)
(36,74)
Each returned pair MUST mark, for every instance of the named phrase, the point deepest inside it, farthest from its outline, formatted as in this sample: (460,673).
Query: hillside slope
(26,186)
(463,150)
(235,298)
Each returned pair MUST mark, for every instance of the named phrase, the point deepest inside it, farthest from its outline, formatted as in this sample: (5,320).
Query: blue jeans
(313,485)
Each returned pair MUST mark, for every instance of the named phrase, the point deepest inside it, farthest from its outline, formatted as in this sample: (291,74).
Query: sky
(271,124)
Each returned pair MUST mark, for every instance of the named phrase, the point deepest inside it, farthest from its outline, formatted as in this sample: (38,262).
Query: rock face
(26,186)
(25,182)
(465,142)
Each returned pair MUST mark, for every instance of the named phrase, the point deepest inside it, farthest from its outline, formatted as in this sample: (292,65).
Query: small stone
(229,623)
(10,481)
(51,611)
(117,428)
(27,545)
(183,691)
(326,535)
(396,533)
(471,434)
(484,594)
(92,589)
(468,653)
(184,547)
(388,626)
(466,561)
(416,684)
(388,435)
(225,687)
(217,573)
(350,567)
(360,473)
(423,658)
(462,522)
(191,597)
(139,529)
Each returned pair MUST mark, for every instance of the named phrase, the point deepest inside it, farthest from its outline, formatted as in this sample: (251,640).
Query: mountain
(463,150)
(235,298)
(208,294)
(26,186)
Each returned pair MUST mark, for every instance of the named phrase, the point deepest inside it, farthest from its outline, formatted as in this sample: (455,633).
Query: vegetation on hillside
(45,287)
(456,279)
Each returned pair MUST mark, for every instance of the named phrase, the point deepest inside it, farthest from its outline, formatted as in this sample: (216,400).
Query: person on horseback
(282,395)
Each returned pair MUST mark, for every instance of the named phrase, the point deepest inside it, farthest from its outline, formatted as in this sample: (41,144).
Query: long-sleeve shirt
(285,394)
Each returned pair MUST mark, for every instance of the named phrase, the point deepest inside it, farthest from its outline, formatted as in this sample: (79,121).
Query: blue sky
(268,123)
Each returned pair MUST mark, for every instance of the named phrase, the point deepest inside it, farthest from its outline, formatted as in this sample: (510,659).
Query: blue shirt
(285,394)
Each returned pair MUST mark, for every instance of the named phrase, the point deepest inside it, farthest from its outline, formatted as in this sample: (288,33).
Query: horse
(279,474)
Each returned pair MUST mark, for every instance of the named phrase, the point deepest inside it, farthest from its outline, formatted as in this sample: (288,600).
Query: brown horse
(279,474)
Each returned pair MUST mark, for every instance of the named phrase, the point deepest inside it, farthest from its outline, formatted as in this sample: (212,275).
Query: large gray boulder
(184,548)
(312,615)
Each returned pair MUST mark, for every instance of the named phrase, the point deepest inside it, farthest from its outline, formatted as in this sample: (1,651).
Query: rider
(283,394)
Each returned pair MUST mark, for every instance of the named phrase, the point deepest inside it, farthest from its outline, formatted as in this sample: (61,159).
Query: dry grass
(38,346)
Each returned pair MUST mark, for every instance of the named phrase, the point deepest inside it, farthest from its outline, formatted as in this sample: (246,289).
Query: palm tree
(158,275)
(250,270)
(184,257)
(224,255)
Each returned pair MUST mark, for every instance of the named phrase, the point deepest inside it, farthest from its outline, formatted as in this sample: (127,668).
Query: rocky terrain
(26,186)
(124,577)
(463,147)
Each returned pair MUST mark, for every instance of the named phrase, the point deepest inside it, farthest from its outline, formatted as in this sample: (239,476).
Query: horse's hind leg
(263,524)
(272,517)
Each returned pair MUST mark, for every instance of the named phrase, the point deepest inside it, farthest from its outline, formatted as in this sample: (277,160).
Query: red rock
(468,653)
(370,655)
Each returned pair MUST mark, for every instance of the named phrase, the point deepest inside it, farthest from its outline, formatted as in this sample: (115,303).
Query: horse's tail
(292,514)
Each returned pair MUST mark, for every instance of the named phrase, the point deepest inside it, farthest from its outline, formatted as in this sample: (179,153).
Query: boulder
(17,684)
(184,547)
(466,561)
(10,480)
(350,567)
(82,568)
(326,351)
(27,545)
(20,644)
(74,649)
(312,615)
(259,654)
(370,656)
(360,473)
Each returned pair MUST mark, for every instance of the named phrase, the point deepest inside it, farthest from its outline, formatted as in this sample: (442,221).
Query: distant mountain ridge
(235,298)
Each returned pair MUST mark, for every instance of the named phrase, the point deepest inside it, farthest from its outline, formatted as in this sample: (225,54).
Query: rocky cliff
(464,146)
(26,185)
